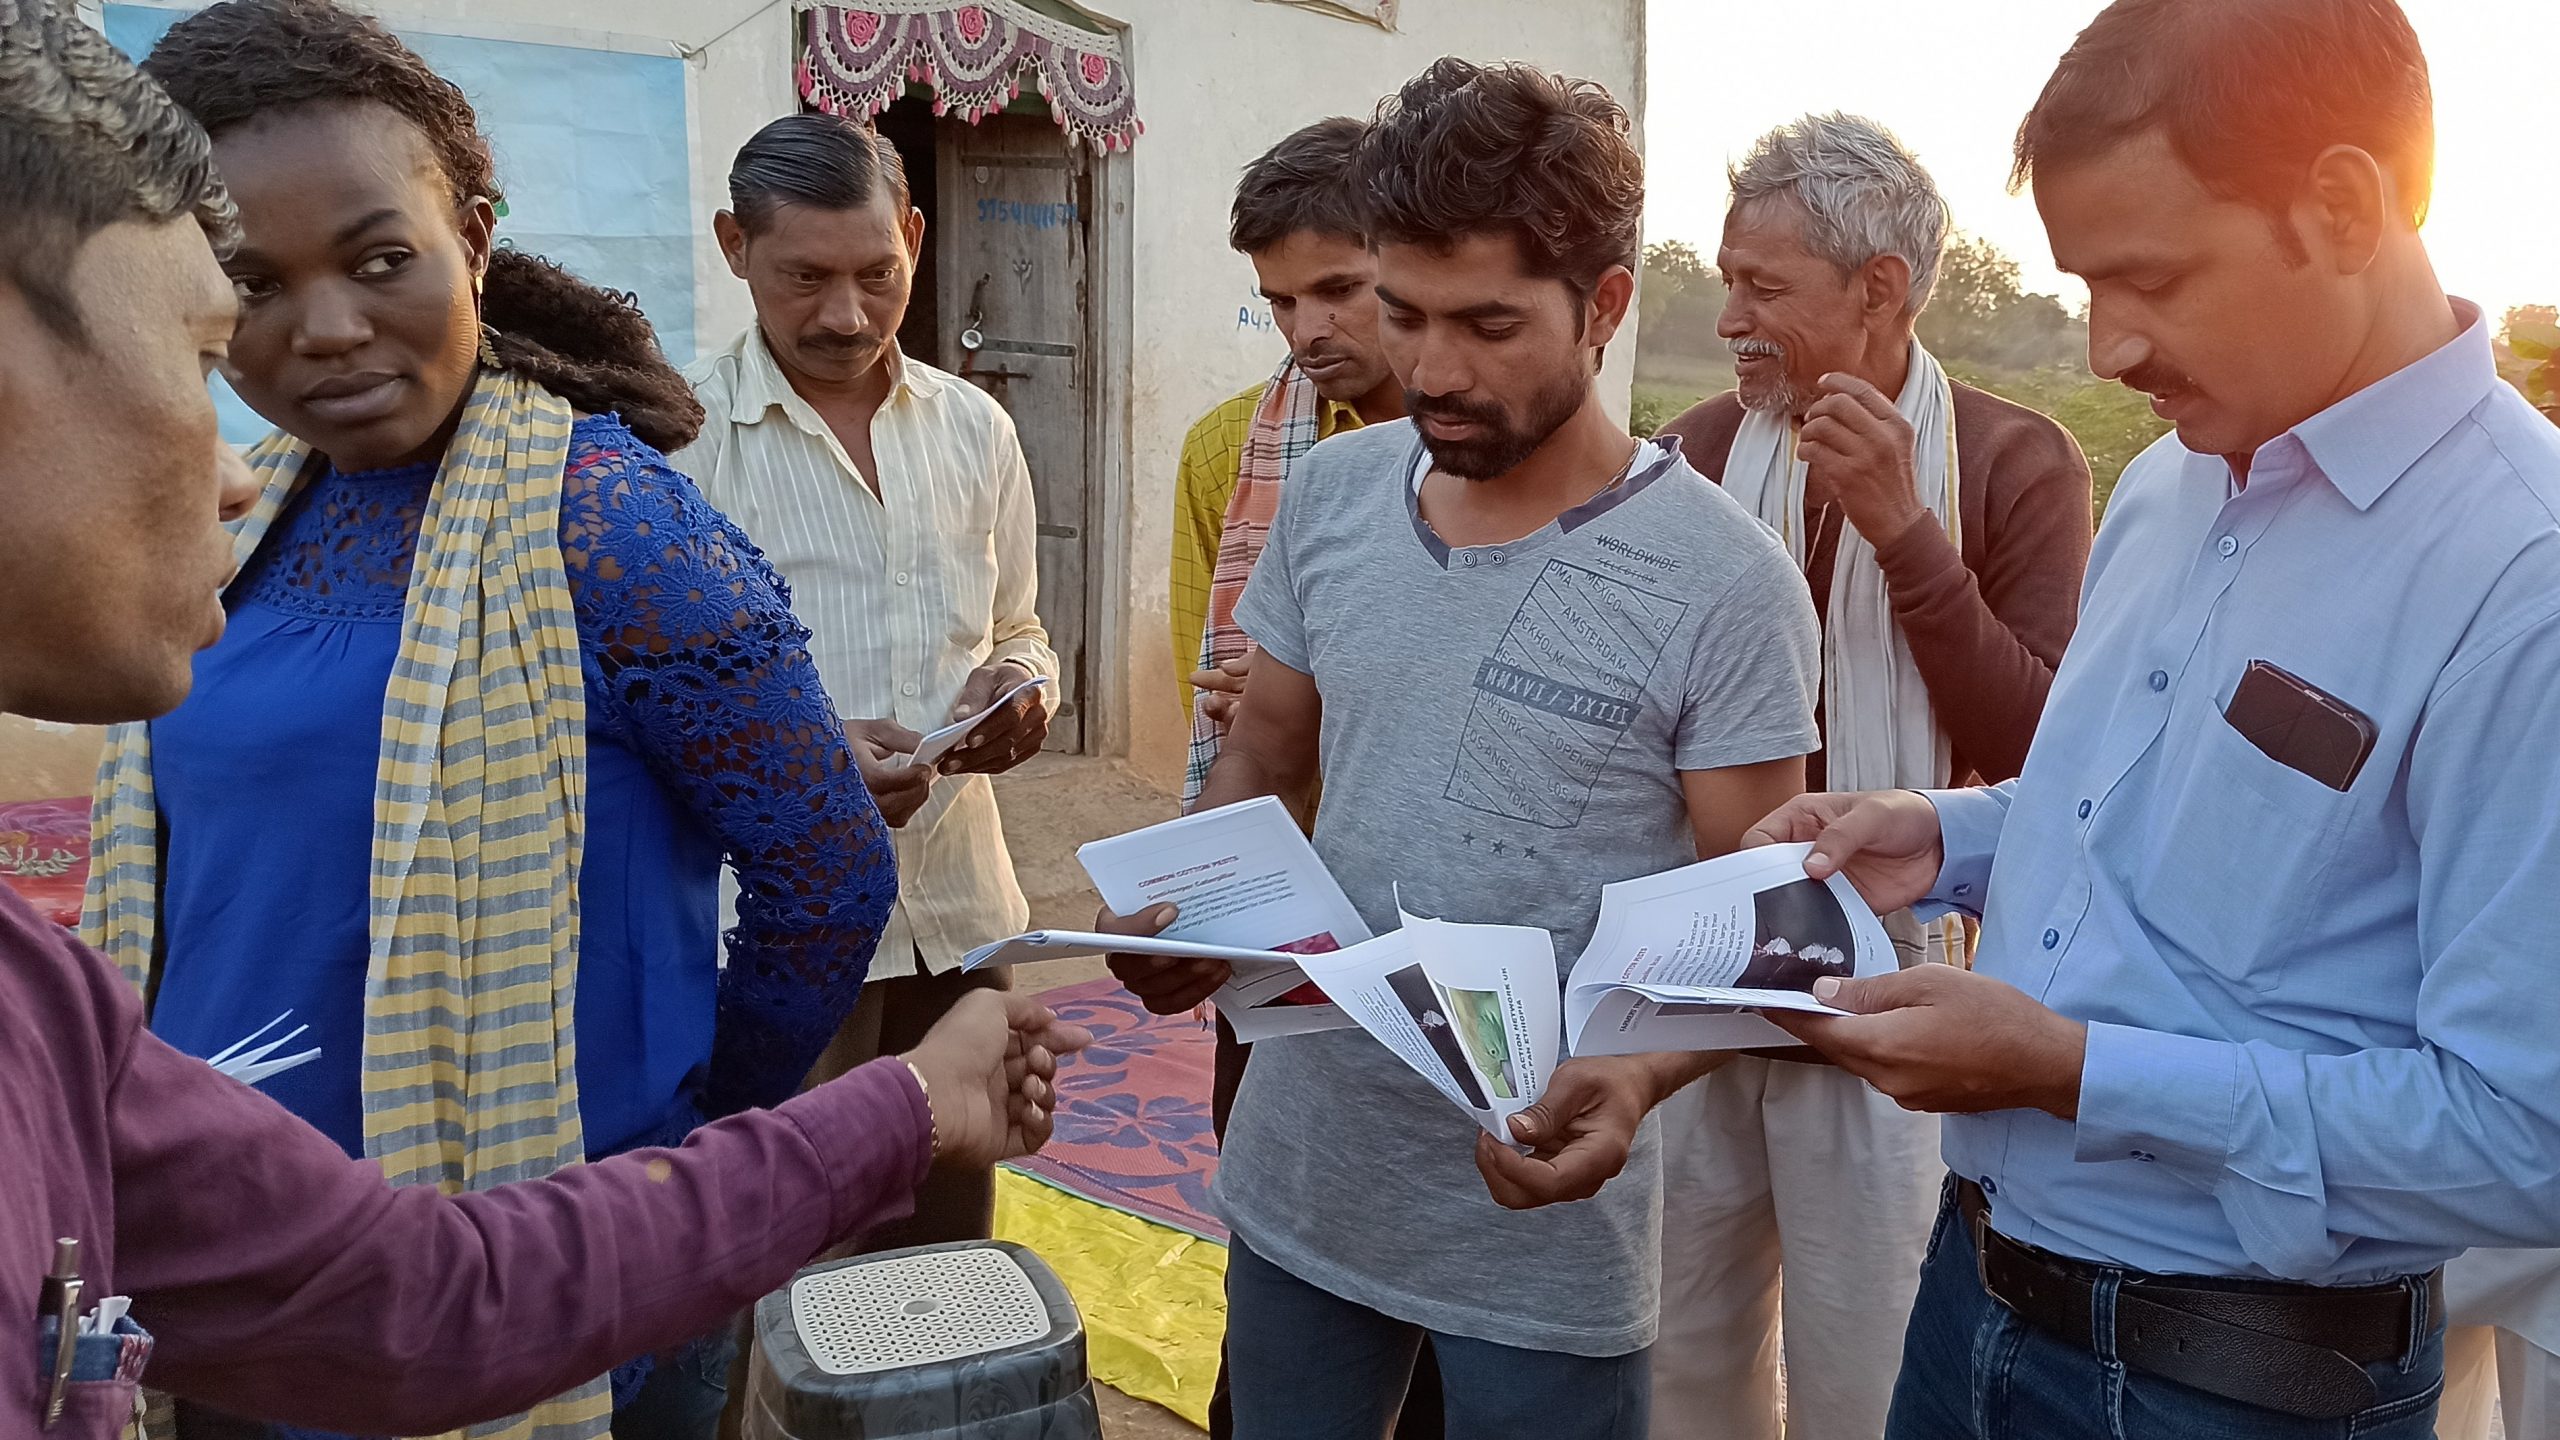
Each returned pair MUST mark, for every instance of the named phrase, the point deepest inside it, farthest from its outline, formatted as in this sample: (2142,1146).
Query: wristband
(933,1123)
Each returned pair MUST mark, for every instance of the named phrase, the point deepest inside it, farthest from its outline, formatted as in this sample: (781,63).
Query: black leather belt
(2296,1349)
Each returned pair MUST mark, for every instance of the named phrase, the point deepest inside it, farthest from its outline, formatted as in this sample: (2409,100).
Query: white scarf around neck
(1879,730)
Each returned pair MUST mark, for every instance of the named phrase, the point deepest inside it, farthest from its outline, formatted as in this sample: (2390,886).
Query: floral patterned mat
(44,854)
(1133,1113)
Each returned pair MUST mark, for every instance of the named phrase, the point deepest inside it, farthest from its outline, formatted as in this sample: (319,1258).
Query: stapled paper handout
(1473,1009)
(1688,959)
(1250,891)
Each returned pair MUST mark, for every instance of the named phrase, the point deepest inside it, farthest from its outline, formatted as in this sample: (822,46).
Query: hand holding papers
(1684,960)
(1250,891)
(941,742)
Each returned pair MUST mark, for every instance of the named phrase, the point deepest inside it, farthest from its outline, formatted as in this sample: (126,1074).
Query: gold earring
(489,349)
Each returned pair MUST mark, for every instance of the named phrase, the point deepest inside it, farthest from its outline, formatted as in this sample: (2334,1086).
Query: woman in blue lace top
(372,300)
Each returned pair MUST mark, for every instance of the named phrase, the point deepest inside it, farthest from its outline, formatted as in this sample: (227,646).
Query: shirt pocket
(99,1410)
(2238,850)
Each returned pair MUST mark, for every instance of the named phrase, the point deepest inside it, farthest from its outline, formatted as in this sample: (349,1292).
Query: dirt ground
(1051,806)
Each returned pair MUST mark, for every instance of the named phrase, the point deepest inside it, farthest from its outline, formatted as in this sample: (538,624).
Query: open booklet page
(1474,1009)
(1251,892)
(1684,960)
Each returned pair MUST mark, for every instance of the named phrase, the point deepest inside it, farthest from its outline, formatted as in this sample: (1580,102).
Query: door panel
(1012,257)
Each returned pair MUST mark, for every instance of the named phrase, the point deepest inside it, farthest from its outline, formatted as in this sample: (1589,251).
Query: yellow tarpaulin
(1154,1298)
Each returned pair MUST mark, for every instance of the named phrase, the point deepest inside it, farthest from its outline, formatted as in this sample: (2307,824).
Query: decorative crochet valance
(859,59)
(1381,13)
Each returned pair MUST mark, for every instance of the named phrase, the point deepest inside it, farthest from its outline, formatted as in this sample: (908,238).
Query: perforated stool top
(978,1340)
(916,1309)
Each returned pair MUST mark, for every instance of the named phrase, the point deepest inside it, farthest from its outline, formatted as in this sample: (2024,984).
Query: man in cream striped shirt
(894,499)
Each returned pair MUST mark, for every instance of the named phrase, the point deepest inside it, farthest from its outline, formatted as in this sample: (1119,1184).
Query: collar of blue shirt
(2367,441)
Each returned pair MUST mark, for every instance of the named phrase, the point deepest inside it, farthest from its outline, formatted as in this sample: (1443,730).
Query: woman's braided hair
(235,61)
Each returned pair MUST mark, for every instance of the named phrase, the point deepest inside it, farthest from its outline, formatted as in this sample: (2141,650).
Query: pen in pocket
(61,1300)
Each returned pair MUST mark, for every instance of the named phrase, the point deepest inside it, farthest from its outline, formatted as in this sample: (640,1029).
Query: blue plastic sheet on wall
(592,151)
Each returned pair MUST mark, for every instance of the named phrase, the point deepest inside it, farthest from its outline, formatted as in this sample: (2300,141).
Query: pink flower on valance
(858,60)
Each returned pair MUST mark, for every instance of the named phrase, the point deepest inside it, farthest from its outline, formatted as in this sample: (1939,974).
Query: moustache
(1449,407)
(840,344)
(2156,380)
(1758,350)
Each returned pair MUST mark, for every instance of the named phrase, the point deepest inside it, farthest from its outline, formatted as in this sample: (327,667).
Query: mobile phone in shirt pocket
(2300,726)
(2239,848)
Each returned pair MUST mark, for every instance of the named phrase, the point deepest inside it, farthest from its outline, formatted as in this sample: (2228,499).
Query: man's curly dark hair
(236,61)
(87,140)
(1467,149)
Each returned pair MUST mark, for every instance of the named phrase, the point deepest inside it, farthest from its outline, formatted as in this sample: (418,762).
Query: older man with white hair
(1943,531)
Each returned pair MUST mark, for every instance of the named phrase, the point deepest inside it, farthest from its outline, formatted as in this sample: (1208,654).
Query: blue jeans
(684,1394)
(1308,1365)
(1971,1370)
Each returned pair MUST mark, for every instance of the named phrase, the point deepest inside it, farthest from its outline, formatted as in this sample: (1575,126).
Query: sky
(1954,77)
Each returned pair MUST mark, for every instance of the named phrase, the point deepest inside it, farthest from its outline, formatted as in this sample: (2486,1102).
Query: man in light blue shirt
(2265,1025)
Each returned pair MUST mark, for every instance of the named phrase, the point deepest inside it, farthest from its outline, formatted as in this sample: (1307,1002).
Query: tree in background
(1681,298)
(2529,355)
(1987,330)
(1990,333)
(1679,358)
(1979,314)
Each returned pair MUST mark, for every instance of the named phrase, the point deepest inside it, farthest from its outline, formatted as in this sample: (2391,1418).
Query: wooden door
(1012,258)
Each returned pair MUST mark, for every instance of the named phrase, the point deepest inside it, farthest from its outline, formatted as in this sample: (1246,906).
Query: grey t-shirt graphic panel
(1504,728)
(1558,693)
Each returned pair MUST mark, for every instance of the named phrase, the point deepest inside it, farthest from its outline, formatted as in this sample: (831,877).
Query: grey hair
(1863,194)
(86,140)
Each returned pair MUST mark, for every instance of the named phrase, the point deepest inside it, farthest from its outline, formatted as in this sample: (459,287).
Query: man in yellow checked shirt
(1297,222)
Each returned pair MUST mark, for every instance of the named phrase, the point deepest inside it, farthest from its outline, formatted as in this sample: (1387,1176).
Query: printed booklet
(1251,892)
(1684,960)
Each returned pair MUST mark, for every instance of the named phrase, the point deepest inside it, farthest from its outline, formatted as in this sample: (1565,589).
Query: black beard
(1503,445)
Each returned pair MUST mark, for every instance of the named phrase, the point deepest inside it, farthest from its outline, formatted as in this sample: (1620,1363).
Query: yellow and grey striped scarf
(469,1073)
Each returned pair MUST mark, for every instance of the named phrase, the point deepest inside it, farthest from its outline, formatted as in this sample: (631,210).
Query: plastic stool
(978,1339)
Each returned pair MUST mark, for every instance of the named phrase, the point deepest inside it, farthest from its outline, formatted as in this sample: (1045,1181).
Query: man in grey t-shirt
(1529,656)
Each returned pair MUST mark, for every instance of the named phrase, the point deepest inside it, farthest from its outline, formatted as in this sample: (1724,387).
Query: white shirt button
(902,577)
(907,689)
(2229,547)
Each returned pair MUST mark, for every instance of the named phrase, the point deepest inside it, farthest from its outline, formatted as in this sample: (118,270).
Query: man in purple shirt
(282,1279)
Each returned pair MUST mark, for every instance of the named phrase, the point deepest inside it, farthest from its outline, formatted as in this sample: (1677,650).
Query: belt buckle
(1977,1222)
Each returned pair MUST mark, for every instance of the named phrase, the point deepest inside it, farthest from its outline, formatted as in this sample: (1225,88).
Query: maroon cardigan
(1988,626)
(287,1282)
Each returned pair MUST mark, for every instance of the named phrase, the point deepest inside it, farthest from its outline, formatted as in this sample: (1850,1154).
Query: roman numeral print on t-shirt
(1558,693)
